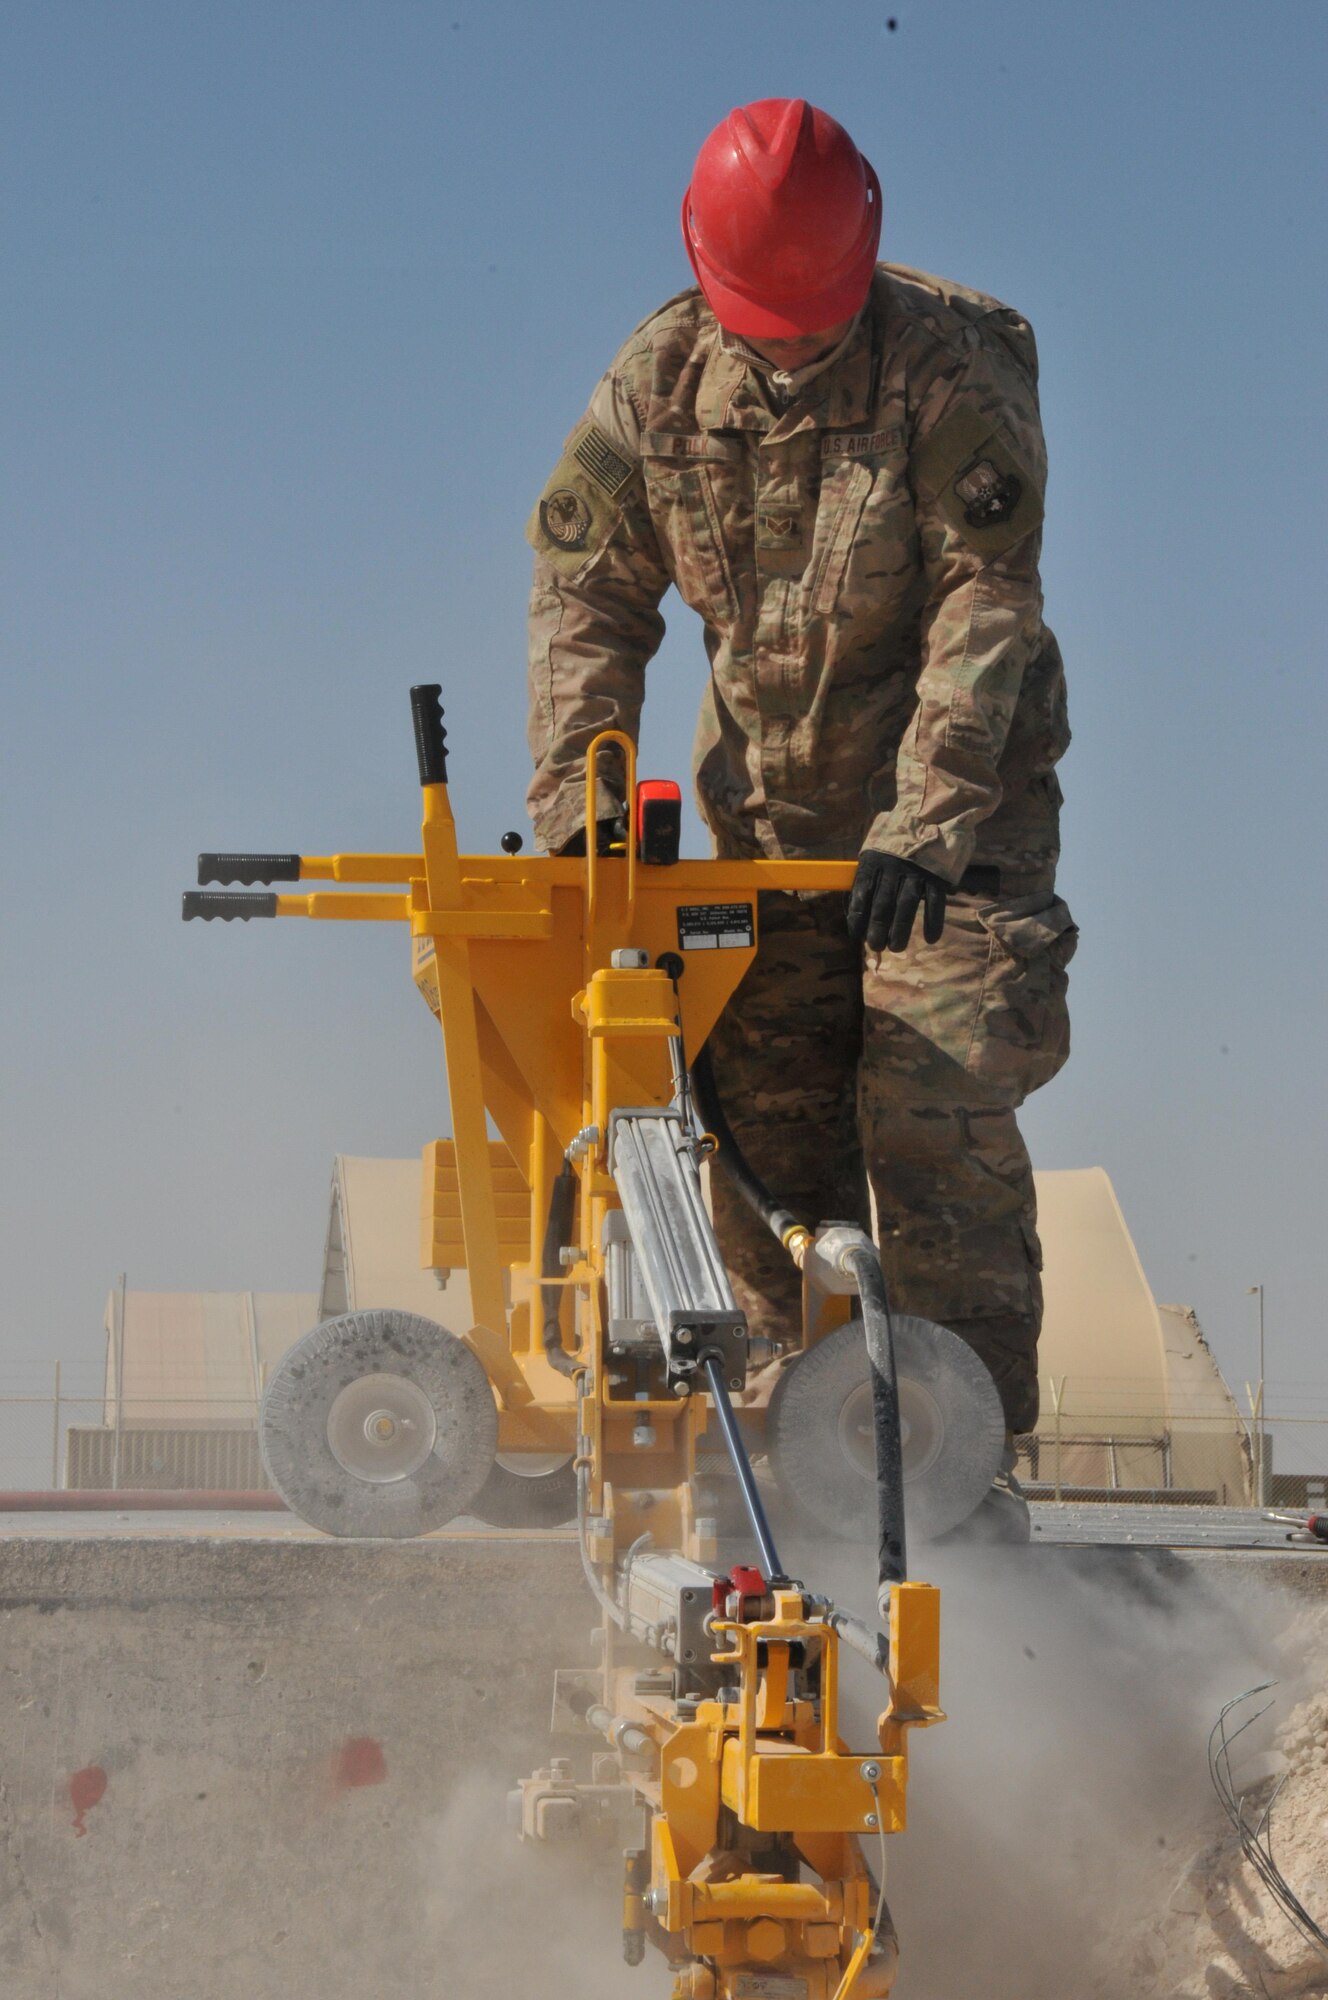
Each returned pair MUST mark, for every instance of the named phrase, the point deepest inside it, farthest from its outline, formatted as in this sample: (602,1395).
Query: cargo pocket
(689,513)
(1022,1033)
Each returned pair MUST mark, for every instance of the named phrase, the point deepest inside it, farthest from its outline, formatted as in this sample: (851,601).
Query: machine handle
(593,755)
(248,868)
(430,737)
(226,904)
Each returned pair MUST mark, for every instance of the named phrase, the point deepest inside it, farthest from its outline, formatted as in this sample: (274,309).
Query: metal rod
(55,1431)
(772,1567)
(119,1379)
(1057,1391)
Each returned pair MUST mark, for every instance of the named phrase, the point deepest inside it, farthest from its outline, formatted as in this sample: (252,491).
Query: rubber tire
(510,1500)
(292,1426)
(806,1449)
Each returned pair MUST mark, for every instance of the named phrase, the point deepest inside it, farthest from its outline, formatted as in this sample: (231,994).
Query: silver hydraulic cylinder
(678,1263)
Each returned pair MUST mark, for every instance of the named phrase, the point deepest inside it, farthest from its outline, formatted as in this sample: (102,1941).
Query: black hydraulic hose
(557,1232)
(771,1566)
(864,1267)
(779,1221)
(869,1280)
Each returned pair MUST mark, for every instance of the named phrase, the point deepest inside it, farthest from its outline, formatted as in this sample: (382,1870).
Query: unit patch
(715,927)
(565,518)
(860,444)
(989,496)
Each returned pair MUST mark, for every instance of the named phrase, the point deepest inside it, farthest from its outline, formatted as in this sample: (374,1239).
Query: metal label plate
(716,927)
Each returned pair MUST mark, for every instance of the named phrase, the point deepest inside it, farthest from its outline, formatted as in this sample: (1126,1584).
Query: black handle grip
(226,904)
(430,737)
(248,868)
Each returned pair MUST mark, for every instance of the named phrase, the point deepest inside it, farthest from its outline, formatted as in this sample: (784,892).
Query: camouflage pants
(907,1071)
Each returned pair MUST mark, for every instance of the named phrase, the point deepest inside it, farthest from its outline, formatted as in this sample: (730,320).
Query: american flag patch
(607,467)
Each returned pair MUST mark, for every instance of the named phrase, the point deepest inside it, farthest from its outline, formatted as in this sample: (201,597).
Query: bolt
(871,1772)
(682,1387)
(568,1255)
(871,1820)
(684,1336)
(643,1436)
(735,1382)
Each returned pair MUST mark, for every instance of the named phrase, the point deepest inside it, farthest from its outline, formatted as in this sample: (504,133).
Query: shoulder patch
(971,473)
(579,507)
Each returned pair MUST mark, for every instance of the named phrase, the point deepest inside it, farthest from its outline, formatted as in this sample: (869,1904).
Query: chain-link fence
(1097,1439)
(58,1434)
(1104,1438)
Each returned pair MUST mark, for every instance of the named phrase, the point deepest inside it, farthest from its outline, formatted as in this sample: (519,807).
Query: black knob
(511,843)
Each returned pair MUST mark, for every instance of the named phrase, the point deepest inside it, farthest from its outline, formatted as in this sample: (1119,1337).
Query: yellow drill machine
(597,1383)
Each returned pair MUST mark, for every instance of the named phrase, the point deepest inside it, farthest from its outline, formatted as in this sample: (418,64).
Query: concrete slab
(248,1770)
(242,1767)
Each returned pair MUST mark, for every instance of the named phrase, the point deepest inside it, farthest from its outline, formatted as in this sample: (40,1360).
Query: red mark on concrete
(361,1762)
(87,1788)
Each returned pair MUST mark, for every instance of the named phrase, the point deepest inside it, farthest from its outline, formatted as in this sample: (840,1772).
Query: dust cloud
(1062,1816)
(505,1916)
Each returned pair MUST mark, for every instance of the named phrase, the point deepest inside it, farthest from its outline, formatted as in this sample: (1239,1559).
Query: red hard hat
(782,220)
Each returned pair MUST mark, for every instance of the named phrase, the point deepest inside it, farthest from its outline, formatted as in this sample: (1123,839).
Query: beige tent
(372,1256)
(1132,1399)
(189,1358)
(184,1373)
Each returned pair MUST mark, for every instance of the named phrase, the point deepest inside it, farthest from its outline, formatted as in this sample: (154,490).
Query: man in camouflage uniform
(854,511)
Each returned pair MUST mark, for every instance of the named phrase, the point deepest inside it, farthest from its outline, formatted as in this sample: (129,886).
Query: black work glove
(610,837)
(885,898)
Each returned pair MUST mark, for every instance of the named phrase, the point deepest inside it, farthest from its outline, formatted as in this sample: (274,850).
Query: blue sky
(300,302)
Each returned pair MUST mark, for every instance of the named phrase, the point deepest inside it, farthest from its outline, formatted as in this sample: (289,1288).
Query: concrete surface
(243,1767)
(227,1767)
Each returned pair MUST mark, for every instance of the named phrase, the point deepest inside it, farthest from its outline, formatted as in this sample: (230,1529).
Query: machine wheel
(527,1490)
(379,1424)
(822,1446)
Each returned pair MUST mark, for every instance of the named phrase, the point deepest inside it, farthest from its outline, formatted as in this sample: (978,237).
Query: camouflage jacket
(865,561)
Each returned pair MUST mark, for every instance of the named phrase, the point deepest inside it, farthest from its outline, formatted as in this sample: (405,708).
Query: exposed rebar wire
(1256,1840)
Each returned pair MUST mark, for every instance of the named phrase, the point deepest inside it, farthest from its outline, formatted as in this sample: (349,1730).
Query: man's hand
(610,837)
(885,899)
